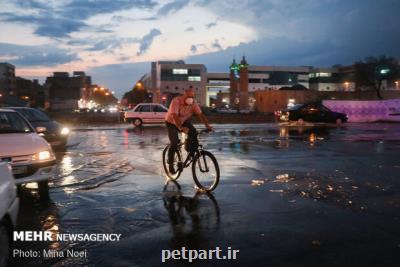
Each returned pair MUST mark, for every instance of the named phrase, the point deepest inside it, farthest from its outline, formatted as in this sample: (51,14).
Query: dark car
(54,133)
(311,112)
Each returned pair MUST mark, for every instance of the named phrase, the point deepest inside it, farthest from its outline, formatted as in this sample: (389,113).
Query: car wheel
(5,243)
(137,122)
(339,121)
(44,190)
(300,121)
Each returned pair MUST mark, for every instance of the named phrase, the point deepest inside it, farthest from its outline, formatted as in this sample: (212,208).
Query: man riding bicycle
(178,120)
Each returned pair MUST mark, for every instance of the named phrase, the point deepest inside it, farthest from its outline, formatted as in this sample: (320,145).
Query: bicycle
(205,167)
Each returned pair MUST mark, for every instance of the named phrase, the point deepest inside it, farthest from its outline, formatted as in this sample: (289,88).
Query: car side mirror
(41,129)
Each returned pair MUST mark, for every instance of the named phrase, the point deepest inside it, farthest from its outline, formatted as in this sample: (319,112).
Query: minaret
(234,76)
(244,84)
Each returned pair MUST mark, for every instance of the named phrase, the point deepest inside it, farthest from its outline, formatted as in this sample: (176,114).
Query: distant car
(146,113)
(226,110)
(9,205)
(30,156)
(54,133)
(311,112)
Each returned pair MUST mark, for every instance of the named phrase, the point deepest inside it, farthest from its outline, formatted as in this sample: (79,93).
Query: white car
(30,156)
(146,113)
(9,205)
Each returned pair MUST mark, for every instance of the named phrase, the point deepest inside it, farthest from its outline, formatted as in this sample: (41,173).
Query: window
(194,78)
(218,80)
(12,122)
(179,71)
(144,108)
(158,108)
(254,80)
(323,109)
(179,74)
(33,115)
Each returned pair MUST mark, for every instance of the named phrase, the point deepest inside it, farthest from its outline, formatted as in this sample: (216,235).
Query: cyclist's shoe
(171,169)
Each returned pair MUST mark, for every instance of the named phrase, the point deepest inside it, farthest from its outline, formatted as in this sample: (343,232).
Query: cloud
(172,7)
(60,21)
(124,58)
(189,29)
(46,24)
(321,32)
(216,45)
(147,40)
(210,25)
(106,44)
(194,48)
(202,2)
(83,9)
(43,55)
(30,4)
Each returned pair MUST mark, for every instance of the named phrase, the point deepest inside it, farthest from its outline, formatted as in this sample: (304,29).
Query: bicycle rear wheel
(177,159)
(205,171)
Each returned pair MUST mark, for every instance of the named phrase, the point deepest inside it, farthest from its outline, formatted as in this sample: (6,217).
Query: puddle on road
(78,171)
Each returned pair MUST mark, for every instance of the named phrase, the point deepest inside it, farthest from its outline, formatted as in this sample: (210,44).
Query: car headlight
(43,156)
(65,131)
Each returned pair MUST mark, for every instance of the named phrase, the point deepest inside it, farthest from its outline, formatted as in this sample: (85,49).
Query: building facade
(333,79)
(7,79)
(168,79)
(218,89)
(30,91)
(64,91)
(237,87)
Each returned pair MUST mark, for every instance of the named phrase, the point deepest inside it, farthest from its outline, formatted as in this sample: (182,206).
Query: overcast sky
(115,41)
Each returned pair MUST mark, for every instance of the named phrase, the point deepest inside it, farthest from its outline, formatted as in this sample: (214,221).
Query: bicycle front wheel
(177,159)
(205,171)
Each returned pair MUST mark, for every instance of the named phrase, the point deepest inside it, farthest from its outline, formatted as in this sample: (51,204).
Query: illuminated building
(168,79)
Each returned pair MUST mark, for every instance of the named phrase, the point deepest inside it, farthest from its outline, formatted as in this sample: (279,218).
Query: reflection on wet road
(287,196)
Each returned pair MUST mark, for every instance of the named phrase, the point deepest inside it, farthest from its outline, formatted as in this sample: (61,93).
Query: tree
(104,98)
(137,95)
(373,71)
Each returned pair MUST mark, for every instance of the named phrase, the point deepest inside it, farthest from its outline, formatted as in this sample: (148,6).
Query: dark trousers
(191,142)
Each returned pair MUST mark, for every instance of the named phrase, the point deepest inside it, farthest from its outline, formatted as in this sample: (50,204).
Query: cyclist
(178,120)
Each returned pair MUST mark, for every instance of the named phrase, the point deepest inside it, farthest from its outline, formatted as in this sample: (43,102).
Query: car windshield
(325,109)
(33,114)
(12,122)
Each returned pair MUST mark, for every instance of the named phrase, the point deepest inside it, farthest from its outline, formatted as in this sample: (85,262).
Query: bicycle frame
(191,156)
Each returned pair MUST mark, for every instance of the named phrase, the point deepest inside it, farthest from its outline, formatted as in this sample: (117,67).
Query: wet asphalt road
(288,196)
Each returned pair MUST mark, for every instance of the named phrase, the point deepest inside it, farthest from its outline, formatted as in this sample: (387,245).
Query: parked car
(146,113)
(9,205)
(311,112)
(54,133)
(30,156)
